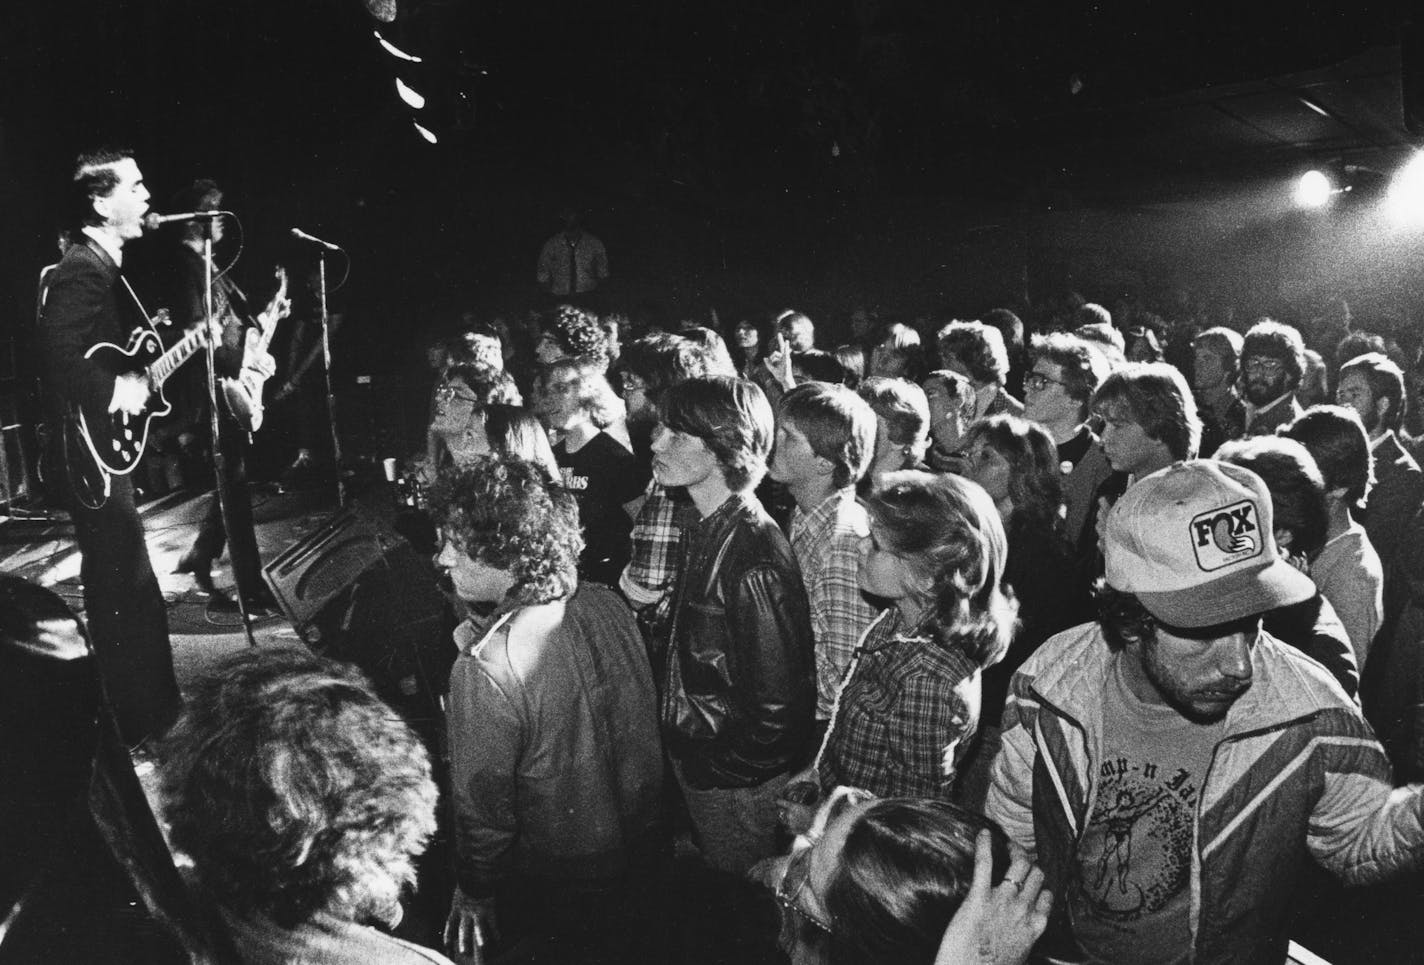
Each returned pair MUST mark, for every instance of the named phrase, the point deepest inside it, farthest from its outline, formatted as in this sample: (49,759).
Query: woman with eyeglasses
(905,880)
(909,702)
(456,432)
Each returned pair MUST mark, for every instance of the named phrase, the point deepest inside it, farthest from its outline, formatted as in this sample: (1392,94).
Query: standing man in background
(573,262)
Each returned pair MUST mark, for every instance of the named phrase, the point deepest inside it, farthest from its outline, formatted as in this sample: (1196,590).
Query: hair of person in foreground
(295,790)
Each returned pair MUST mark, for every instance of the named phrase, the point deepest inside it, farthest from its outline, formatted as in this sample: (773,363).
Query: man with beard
(1176,744)
(1272,363)
(1373,386)
(1216,365)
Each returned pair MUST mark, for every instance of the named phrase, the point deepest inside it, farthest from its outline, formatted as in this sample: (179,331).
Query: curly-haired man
(555,762)
(302,801)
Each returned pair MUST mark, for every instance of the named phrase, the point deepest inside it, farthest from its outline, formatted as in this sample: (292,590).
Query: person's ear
(1284,539)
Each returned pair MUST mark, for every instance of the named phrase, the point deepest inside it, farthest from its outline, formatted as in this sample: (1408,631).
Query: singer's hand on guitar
(131,392)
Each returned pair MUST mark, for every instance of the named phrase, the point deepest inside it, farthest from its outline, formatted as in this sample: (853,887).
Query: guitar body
(116,439)
(244,395)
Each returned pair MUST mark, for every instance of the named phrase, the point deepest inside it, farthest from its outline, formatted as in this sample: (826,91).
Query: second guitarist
(235,355)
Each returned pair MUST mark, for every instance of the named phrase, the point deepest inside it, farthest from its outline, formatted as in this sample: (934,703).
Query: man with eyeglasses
(1058,390)
(1272,362)
(1175,743)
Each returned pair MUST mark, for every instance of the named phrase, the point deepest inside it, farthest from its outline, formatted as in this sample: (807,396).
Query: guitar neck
(167,363)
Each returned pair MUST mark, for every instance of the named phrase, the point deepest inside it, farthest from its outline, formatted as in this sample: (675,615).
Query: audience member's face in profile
(1126,444)
(1265,379)
(1354,392)
(1208,372)
(474,580)
(883,573)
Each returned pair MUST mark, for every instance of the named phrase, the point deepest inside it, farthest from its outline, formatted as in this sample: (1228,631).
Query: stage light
(393,50)
(1313,189)
(412,97)
(1405,200)
(426,133)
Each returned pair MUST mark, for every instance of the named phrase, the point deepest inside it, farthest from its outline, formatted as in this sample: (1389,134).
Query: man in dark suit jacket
(85,300)
(1373,386)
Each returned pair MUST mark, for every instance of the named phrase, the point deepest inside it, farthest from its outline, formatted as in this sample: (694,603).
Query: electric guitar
(243,394)
(116,439)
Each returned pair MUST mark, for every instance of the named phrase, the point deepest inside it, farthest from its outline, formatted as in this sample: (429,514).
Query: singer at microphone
(153,220)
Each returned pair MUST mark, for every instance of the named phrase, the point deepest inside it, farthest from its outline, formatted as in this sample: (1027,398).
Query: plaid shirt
(827,546)
(656,538)
(903,717)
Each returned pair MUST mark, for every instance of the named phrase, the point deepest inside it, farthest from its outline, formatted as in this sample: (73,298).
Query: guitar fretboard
(168,363)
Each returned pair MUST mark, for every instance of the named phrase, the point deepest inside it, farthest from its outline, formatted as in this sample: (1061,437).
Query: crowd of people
(952,643)
(964,641)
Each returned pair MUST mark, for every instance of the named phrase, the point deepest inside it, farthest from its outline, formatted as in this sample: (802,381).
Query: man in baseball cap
(1172,767)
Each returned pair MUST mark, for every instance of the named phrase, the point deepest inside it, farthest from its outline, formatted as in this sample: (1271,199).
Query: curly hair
(1336,437)
(906,865)
(1122,617)
(506,513)
(593,393)
(1155,396)
(578,334)
(948,531)
(977,347)
(731,416)
(1035,479)
(1272,339)
(295,790)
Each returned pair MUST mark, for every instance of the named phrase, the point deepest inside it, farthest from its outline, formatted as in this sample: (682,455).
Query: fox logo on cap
(1227,535)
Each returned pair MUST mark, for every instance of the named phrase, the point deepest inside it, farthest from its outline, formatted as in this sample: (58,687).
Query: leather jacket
(739,689)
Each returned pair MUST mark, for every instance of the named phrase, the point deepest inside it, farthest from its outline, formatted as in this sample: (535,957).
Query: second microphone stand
(220,467)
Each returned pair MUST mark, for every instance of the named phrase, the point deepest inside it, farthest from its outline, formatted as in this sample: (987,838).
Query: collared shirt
(1253,414)
(654,543)
(826,542)
(116,252)
(569,268)
(904,715)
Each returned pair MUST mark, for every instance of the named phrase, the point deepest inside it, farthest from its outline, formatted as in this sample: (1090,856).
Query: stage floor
(44,552)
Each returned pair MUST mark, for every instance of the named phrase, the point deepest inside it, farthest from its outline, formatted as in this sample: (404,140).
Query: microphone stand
(214,422)
(330,396)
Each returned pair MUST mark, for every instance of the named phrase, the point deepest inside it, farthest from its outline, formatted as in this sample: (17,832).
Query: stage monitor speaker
(357,591)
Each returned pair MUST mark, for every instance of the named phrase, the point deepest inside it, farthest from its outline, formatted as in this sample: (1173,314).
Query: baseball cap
(1195,542)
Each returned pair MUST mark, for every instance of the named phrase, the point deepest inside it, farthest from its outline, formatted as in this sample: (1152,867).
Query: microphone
(301,235)
(152,220)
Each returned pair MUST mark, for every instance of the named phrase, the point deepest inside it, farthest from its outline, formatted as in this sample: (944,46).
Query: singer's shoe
(201,570)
